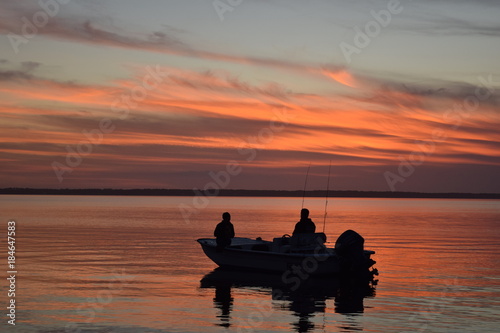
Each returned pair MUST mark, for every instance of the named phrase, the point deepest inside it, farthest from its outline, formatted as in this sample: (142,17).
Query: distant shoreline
(249,193)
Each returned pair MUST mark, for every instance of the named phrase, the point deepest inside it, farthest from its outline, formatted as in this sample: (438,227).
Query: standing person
(224,231)
(305,225)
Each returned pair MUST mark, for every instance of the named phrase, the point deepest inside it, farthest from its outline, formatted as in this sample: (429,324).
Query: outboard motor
(350,250)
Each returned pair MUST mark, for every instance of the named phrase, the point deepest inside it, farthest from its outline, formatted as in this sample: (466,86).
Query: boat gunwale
(331,251)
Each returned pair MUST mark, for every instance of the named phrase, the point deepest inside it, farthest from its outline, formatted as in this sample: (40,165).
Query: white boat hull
(245,253)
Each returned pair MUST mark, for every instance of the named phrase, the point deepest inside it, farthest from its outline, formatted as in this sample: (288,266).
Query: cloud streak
(195,120)
(89,31)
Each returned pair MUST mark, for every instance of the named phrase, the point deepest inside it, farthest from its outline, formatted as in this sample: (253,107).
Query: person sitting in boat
(224,231)
(305,225)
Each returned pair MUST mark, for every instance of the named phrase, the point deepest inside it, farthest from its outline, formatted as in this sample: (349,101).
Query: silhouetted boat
(302,254)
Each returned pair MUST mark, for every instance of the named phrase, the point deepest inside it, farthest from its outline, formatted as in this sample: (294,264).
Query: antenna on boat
(305,184)
(326,199)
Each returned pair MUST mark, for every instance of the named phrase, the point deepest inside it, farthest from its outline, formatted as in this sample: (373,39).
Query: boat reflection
(303,300)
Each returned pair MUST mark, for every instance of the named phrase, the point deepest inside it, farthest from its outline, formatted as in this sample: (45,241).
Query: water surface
(131,264)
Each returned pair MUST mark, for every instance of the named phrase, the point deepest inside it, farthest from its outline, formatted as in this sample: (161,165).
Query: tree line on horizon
(243,192)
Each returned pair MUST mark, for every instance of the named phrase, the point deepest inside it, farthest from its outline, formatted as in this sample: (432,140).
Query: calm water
(131,264)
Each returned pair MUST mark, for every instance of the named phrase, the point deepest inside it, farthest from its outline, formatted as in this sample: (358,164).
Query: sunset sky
(247,94)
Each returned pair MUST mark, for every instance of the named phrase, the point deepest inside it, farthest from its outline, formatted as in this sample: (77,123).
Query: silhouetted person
(305,225)
(224,231)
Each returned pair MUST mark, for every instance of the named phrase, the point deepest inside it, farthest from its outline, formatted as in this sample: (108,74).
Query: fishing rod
(326,199)
(305,184)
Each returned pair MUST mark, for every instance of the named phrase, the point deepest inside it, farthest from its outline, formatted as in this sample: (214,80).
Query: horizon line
(245,192)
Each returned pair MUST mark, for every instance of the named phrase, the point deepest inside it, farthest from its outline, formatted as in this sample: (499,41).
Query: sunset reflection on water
(132,265)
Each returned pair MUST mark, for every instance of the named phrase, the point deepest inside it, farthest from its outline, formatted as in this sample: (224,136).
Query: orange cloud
(342,76)
(196,120)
